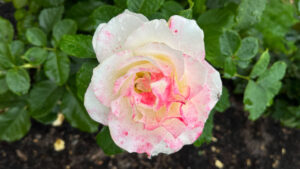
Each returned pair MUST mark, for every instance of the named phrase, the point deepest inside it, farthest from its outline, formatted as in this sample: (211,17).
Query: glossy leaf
(57,67)
(36,36)
(76,114)
(49,17)
(18,81)
(36,55)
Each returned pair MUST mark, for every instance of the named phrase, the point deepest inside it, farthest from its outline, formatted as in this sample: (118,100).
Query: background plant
(46,58)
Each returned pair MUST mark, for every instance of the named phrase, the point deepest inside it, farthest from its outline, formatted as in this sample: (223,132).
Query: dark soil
(238,144)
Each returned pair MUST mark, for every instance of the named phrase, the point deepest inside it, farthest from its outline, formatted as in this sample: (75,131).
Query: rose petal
(189,36)
(188,39)
(133,137)
(196,74)
(96,110)
(109,38)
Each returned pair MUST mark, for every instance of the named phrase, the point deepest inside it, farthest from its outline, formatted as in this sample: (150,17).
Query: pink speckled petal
(214,84)
(133,137)
(188,35)
(96,110)
(109,38)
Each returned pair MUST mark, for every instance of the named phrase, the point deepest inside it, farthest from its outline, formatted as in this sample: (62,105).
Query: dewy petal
(96,110)
(164,53)
(109,38)
(188,36)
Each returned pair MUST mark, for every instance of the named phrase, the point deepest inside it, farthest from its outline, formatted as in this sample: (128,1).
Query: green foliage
(76,114)
(18,81)
(57,67)
(6,31)
(146,7)
(14,124)
(36,55)
(77,45)
(105,141)
(49,17)
(224,102)
(36,37)
(249,13)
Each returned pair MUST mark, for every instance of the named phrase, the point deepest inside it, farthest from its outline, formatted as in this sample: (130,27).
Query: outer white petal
(96,110)
(189,36)
(214,84)
(106,74)
(109,38)
(180,34)
(96,34)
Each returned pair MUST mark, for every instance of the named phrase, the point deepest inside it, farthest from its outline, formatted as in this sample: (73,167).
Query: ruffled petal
(96,110)
(109,38)
(162,52)
(133,137)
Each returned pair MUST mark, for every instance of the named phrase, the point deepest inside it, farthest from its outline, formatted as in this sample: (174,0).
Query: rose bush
(153,89)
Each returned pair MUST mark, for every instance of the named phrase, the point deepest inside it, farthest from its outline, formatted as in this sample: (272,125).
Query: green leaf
(18,81)
(104,13)
(17,48)
(14,124)
(83,78)
(248,49)
(270,80)
(170,8)
(249,13)
(255,100)
(229,43)
(3,85)
(77,45)
(76,114)
(36,36)
(146,7)
(19,3)
(107,144)
(224,102)
(187,13)
(229,67)
(6,31)
(121,3)
(81,11)
(8,99)
(49,17)
(43,97)
(261,65)
(207,132)
(6,59)
(36,55)
(57,67)
(213,23)
(199,7)
(63,27)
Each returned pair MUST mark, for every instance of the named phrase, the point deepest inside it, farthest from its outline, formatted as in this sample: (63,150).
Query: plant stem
(50,49)
(242,76)
(28,66)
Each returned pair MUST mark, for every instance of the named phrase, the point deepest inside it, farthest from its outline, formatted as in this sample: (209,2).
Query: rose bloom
(153,87)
